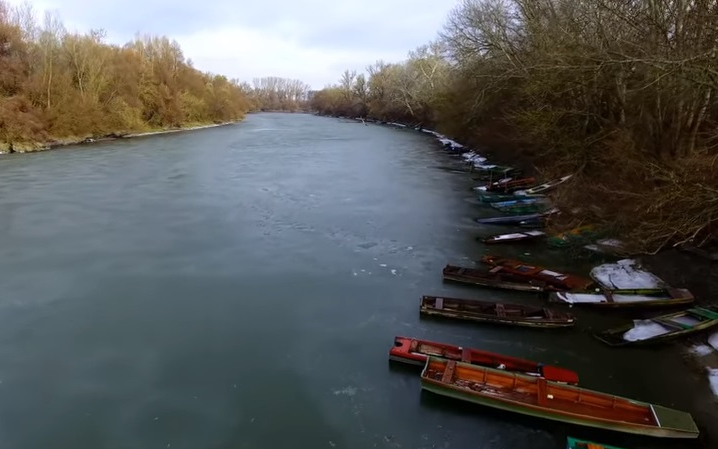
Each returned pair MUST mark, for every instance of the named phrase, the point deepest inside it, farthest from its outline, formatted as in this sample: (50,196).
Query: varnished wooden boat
(543,188)
(661,328)
(492,279)
(575,443)
(561,281)
(535,396)
(626,298)
(493,312)
(515,237)
(415,352)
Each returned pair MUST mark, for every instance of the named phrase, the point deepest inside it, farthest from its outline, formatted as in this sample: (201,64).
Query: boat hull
(483,312)
(704,318)
(642,301)
(575,443)
(682,423)
(414,351)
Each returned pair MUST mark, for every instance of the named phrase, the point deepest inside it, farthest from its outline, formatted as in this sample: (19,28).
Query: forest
(620,93)
(57,86)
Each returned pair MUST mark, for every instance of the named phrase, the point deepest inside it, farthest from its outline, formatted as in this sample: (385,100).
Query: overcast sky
(311,40)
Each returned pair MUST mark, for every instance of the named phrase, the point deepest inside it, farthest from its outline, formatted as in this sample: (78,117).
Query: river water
(239,287)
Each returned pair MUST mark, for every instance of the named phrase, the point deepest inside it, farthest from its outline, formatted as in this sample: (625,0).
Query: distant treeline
(622,93)
(55,84)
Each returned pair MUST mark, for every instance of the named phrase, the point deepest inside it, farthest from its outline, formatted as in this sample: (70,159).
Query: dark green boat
(575,443)
(662,328)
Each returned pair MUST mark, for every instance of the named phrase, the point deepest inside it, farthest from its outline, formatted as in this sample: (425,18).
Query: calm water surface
(240,287)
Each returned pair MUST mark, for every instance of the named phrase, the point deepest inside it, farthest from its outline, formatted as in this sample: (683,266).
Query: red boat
(415,352)
(561,281)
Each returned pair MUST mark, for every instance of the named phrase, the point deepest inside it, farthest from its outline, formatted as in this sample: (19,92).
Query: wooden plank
(449,372)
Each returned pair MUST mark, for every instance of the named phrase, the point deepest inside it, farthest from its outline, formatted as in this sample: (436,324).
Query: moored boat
(509,185)
(517,201)
(535,396)
(561,281)
(492,279)
(625,298)
(515,237)
(493,312)
(415,351)
(500,197)
(515,219)
(661,328)
(522,209)
(575,443)
(543,188)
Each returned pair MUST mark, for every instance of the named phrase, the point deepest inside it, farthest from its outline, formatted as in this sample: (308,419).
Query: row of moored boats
(533,388)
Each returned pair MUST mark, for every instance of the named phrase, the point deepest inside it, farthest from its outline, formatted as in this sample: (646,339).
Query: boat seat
(704,313)
(500,310)
(449,372)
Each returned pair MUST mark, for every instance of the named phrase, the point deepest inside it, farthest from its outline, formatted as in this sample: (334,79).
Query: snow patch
(625,274)
(713,379)
(701,350)
(348,391)
(713,341)
(645,329)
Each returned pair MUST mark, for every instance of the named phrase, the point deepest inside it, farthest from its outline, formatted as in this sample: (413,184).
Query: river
(239,287)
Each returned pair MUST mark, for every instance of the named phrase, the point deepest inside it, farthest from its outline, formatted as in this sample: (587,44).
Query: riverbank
(677,267)
(31,147)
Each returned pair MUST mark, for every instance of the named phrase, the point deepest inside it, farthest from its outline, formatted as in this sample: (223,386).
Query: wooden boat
(522,209)
(661,328)
(626,298)
(543,188)
(499,197)
(493,312)
(415,352)
(575,443)
(515,237)
(517,202)
(561,281)
(492,278)
(535,396)
(509,185)
(515,219)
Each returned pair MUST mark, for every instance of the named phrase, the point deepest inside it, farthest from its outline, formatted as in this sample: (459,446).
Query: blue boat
(516,219)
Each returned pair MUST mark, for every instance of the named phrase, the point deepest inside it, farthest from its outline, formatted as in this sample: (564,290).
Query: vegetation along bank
(621,94)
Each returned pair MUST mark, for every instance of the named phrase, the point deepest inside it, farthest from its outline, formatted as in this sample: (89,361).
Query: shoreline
(24,147)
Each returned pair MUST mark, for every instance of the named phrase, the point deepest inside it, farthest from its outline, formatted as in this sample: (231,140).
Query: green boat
(535,396)
(575,443)
(501,197)
(523,209)
(662,328)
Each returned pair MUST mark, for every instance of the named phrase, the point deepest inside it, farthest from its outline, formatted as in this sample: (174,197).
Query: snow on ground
(700,350)
(713,379)
(713,341)
(625,274)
